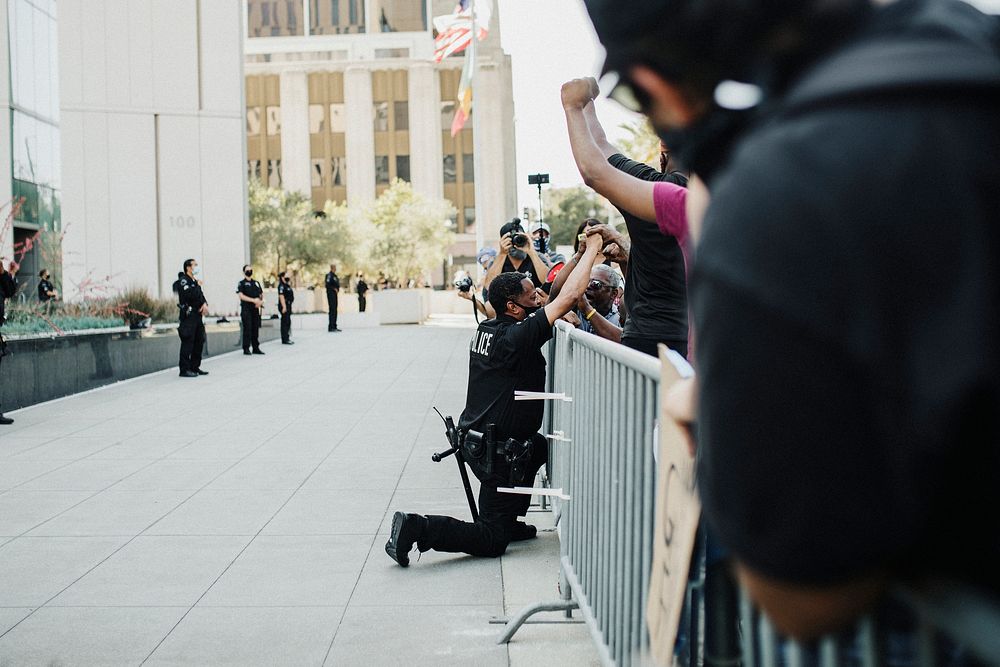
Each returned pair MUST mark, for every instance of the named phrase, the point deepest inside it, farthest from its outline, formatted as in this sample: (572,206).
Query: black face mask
(705,146)
(518,254)
(530,310)
(248,273)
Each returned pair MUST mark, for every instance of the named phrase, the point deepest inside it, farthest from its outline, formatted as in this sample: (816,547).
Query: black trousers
(250,318)
(286,325)
(362,303)
(648,345)
(192,333)
(497,514)
(331,301)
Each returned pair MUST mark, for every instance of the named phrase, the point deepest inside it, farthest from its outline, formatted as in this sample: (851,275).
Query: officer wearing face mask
(518,253)
(505,357)
(251,295)
(193,307)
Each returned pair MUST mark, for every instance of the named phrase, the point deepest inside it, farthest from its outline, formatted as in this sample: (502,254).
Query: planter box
(403,306)
(41,368)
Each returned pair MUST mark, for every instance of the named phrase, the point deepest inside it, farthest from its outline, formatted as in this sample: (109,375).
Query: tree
(566,208)
(641,142)
(285,234)
(406,234)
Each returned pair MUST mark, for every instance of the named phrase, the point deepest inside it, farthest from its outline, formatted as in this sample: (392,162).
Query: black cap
(619,29)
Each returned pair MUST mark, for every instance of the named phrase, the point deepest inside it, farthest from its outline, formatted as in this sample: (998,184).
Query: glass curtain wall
(34,130)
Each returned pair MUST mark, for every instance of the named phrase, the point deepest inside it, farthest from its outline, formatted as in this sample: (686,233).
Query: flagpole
(476,143)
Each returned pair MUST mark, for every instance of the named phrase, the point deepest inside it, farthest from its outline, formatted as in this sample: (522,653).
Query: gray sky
(550,41)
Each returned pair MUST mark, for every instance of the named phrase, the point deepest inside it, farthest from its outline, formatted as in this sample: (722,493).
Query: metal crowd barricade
(604,463)
(602,458)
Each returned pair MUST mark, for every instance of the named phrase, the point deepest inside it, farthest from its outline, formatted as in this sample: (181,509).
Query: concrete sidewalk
(239,518)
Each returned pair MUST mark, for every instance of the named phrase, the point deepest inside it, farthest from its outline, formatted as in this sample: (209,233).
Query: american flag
(454,30)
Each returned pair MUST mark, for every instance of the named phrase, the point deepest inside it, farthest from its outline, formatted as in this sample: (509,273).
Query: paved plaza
(239,518)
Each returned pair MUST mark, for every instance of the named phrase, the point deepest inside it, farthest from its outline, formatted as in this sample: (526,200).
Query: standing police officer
(192,304)
(505,357)
(332,287)
(251,301)
(8,288)
(286,296)
(46,291)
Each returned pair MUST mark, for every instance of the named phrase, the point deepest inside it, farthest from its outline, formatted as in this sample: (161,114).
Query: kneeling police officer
(500,437)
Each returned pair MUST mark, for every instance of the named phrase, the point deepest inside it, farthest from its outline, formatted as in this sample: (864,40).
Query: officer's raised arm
(576,283)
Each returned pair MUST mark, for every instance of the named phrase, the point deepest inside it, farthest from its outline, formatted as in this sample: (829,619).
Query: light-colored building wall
(364,57)
(6,191)
(153,144)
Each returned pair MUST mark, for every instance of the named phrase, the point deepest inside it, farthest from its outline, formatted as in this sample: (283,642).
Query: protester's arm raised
(576,283)
(621,189)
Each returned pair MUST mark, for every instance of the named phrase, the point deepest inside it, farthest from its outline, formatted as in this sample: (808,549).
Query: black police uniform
(44,287)
(505,357)
(249,313)
(192,328)
(362,290)
(286,317)
(8,288)
(332,286)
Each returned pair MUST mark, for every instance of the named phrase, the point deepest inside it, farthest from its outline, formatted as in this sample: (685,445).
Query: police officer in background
(332,287)
(192,304)
(46,291)
(286,296)
(8,288)
(251,302)
(362,289)
(505,357)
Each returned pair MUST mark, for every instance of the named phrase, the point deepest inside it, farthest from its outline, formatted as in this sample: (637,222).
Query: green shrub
(25,318)
(136,304)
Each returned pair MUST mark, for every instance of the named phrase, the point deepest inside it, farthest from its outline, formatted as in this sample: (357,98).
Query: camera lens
(519,240)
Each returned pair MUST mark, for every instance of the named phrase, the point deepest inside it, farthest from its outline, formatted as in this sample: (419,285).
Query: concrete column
(295,157)
(360,135)
(492,183)
(425,130)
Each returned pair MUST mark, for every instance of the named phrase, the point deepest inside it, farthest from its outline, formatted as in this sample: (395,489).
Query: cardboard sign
(677,512)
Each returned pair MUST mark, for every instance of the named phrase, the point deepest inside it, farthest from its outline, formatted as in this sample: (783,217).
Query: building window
(403,167)
(468,168)
(274,18)
(447,114)
(449,168)
(316,119)
(338,170)
(253,121)
(469,213)
(381,116)
(401,114)
(401,15)
(317,173)
(337,123)
(381,169)
(274,173)
(273,121)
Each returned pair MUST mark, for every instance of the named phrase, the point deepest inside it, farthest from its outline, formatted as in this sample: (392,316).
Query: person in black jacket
(46,291)
(332,283)
(286,296)
(362,289)
(251,295)
(846,319)
(193,307)
(8,288)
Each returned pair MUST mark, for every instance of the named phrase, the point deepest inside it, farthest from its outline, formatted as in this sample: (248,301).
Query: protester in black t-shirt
(505,356)
(523,258)
(847,320)
(655,282)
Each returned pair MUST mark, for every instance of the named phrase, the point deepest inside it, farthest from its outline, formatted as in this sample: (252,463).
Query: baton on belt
(456,448)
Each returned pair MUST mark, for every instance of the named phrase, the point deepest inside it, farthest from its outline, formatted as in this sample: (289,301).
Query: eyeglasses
(624,92)
(597,285)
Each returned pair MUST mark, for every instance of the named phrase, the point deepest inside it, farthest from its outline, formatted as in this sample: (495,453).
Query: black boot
(5,421)
(522,531)
(406,530)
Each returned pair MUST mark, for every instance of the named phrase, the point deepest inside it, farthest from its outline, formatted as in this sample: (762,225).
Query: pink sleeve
(671,215)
